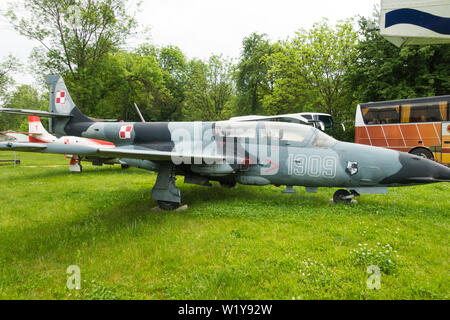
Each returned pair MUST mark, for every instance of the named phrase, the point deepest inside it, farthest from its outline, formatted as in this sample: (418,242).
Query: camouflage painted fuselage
(257,161)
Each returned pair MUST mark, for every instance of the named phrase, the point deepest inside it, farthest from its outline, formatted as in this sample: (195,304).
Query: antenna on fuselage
(139,112)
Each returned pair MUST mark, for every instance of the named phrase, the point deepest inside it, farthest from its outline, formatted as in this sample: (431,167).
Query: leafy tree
(153,78)
(76,36)
(129,78)
(209,89)
(251,74)
(174,65)
(6,67)
(7,122)
(25,97)
(381,71)
(308,72)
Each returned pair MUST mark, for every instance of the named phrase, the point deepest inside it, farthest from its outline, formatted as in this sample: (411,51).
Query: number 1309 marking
(314,166)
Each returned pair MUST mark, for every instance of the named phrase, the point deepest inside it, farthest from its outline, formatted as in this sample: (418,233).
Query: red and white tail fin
(37,131)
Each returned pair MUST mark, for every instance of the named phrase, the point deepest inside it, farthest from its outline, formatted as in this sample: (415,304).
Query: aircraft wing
(48,148)
(118,152)
(38,113)
(18,146)
(155,155)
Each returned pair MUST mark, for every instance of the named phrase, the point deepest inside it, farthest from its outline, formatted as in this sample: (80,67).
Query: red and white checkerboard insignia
(125,132)
(60,97)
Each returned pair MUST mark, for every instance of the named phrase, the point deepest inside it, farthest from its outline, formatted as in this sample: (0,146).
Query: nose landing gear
(344,196)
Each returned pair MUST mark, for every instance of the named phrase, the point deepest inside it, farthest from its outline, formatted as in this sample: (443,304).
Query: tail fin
(37,131)
(60,100)
(62,103)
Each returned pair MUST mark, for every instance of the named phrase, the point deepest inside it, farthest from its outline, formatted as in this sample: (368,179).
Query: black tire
(228,184)
(168,205)
(124,166)
(422,152)
(339,195)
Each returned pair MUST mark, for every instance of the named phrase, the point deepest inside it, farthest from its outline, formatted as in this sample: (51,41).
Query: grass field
(241,243)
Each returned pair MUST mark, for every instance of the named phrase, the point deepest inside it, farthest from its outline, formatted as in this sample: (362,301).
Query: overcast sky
(204,27)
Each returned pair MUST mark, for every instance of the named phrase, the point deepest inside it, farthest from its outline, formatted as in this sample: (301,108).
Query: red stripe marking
(36,140)
(101,142)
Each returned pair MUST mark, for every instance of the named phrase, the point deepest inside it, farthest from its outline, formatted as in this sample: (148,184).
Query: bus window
(381,115)
(327,120)
(406,113)
(443,109)
(291,120)
(426,113)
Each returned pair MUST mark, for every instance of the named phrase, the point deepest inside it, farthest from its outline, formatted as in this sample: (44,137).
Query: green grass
(241,243)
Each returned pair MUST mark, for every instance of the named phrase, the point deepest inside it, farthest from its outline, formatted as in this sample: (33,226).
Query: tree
(25,97)
(128,78)
(154,78)
(251,74)
(209,89)
(76,36)
(308,72)
(174,65)
(381,71)
(6,67)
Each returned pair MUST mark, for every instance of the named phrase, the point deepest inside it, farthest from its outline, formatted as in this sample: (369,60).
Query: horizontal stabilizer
(38,113)
(103,120)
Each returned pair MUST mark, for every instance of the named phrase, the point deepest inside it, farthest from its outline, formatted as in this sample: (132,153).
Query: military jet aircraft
(250,153)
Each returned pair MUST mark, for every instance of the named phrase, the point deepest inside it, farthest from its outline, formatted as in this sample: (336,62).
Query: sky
(204,27)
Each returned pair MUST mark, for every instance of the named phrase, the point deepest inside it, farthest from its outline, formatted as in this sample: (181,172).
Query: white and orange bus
(418,126)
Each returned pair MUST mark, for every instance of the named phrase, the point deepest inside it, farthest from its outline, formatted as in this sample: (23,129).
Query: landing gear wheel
(422,152)
(342,196)
(124,166)
(168,205)
(228,184)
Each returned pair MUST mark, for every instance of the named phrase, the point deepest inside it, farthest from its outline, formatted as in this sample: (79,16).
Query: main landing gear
(344,196)
(165,191)
(228,184)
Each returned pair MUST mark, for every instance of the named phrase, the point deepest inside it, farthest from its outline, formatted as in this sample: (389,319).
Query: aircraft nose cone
(443,173)
(417,170)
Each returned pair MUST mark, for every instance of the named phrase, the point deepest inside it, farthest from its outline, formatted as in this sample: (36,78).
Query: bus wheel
(422,152)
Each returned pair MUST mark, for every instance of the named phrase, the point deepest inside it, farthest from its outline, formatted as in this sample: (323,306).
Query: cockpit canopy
(273,130)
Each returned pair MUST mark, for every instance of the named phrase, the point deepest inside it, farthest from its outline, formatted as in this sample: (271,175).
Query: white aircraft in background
(14,136)
(38,134)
